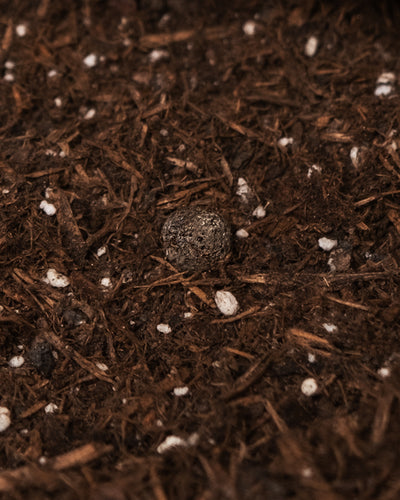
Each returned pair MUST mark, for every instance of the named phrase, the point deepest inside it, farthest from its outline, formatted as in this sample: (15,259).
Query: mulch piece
(133,385)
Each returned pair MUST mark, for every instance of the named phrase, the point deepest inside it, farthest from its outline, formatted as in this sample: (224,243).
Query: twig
(250,377)
(347,303)
(242,315)
(69,352)
(33,475)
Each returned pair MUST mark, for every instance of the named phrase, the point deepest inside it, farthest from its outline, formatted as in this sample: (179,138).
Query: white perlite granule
(16,361)
(21,30)
(5,420)
(242,233)
(106,282)
(327,244)
(309,386)
(90,60)
(164,328)
(56,279)
(102,366)
(50,408)
(181,391)
(171,442)
(354,156)
(48,208)
(243,190)
(90,113)
(259,212)
(157,55)
(101,251)
(249,28)
(330,327)
(384,372)
(285,141)
(226,303)
(311,46)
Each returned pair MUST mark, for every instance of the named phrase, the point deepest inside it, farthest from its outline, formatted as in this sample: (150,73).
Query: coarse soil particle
(195,239)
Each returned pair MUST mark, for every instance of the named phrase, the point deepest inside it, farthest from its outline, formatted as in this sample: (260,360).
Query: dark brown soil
(176,132)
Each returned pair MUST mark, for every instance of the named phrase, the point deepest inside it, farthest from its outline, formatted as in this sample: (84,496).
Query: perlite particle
(5,420)
(327,244)
(226,303)
(309,387)
(311,46)
(164,328)
(56,279)
(90,60)
(16,361)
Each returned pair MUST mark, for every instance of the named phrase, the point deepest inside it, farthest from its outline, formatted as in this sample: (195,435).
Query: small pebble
(90,60)
(327,244)
(5,420)
(51,408)
(16,361)
(311,46)
(52,73)
(58,102)
(56,279)
(242,233)
(226,303)
(164,328)
(48,208)
(181,391)
(309,387)
(188,315)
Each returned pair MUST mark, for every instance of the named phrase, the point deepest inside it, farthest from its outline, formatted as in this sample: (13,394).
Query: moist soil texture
(120,377)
